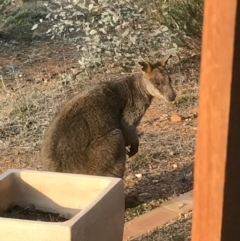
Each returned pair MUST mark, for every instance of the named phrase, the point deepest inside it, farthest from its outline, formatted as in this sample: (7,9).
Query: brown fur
(90,133)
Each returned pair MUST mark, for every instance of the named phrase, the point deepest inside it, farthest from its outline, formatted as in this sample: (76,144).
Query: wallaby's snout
(157,79)
(172,97)
(170,94)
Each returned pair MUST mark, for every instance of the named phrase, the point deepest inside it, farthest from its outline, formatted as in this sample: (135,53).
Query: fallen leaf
(34,26)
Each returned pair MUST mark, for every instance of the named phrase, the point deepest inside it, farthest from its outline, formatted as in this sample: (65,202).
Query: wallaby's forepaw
(132,153)
(133,150)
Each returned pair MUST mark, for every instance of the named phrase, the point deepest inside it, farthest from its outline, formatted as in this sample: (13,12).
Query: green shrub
(183,17)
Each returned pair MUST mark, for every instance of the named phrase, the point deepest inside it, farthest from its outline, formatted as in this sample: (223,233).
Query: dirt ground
(35,78)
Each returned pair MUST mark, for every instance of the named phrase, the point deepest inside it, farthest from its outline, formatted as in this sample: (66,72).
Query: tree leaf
(68,7)
(62,14)
(133,39)
(78,13)
(115,18)
(156,32)
(90,7)
(126,32)
(81,5)
(118,43)
(48,15)
(102,30)
(174,45)
(92,32)
(67,22)
(164,28)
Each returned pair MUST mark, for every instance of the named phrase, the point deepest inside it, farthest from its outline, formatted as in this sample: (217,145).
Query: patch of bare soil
(35,79)
(31,213)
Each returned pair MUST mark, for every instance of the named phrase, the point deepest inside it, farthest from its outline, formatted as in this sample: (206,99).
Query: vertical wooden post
(216,213)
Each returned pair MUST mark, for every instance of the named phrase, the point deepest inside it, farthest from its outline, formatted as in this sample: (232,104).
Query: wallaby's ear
(163,60)
(146,67)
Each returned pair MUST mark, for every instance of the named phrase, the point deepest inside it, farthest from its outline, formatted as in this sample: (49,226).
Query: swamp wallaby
(90,133)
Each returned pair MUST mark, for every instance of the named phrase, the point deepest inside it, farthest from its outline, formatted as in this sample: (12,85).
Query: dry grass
(31,213)
(166,149)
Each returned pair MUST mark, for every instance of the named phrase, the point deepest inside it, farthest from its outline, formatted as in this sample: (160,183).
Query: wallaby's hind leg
(107,155)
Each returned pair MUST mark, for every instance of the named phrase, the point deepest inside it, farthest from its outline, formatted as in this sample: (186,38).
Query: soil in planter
(31,213)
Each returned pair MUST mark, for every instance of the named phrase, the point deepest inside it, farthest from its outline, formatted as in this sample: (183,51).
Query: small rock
(139,176)
(176,118)
(155,181)
(174,165)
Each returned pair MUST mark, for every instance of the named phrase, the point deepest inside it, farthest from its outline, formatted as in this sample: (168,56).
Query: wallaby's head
(157,79)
